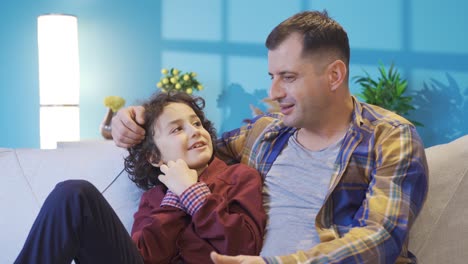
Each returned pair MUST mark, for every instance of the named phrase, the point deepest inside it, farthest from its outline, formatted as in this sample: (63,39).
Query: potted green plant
(174,79)
(387,91)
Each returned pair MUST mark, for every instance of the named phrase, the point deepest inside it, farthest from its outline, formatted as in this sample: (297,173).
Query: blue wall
(124,44)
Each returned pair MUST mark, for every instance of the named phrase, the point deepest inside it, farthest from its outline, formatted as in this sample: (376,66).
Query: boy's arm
(155,225)
(231,218)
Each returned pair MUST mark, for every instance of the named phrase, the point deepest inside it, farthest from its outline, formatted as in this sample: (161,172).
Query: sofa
(440,234)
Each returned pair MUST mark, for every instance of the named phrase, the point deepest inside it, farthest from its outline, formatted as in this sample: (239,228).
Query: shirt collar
(357,119)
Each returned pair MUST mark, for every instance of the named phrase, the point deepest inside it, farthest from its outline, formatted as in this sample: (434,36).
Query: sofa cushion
(30,174)
(18,206)
(440,233)
(99,163)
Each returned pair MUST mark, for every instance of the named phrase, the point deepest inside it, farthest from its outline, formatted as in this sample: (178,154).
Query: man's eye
(288,78)
(197,123)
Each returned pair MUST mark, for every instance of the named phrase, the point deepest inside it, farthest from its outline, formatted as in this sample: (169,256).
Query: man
(344,180)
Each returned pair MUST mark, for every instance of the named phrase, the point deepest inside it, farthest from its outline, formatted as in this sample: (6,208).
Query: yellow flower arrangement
(174,79)
(114,102)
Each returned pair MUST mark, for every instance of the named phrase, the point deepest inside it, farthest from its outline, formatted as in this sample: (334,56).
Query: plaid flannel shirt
(190,200)
(378,188)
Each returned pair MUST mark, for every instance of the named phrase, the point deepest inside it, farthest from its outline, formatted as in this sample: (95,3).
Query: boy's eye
(197,123)
(177,129)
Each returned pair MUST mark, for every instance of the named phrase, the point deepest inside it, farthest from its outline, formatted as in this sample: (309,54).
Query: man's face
(299,84)
(179,134)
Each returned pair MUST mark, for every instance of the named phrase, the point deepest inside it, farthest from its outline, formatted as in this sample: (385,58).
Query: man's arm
(235,146)
(396,194)
(229,145)
(126,126)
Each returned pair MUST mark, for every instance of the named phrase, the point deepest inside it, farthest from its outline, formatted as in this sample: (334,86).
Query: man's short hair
(320,33)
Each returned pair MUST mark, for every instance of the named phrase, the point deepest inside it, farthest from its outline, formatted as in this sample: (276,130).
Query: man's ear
(337,72)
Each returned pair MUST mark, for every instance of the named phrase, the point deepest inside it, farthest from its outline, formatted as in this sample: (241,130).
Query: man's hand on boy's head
(177,176)
(126,126)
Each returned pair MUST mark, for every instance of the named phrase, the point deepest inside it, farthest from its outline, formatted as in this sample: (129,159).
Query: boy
(194,203)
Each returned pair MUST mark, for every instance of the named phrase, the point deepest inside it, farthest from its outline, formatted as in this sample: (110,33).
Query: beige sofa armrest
(440,234)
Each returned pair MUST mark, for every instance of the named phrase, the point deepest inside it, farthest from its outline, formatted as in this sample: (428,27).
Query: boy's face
(179,134)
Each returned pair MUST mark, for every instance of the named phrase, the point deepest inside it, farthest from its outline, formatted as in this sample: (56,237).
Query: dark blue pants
(76,223)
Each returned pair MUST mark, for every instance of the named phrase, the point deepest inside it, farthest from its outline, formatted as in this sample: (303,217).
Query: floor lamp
(59,79)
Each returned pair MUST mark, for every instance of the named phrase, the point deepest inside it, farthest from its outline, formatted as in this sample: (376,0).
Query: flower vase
(105,127)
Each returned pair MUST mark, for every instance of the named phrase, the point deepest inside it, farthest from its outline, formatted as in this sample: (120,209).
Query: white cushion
(29,175)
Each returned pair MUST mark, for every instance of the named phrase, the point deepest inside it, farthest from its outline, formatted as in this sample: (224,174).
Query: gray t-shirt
(293,193)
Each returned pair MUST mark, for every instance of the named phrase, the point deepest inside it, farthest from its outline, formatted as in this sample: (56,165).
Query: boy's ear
(154,161)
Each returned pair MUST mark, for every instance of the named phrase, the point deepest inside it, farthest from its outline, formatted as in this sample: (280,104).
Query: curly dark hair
(320,33)
(137,164)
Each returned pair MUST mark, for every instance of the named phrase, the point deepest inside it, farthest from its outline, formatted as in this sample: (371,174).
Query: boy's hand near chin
(240,259)
(177,176)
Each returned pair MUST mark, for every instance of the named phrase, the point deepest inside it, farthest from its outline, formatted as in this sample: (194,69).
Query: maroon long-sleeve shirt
(231,220)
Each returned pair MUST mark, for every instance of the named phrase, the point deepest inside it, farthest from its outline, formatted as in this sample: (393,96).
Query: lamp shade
(59,79)
(59,75)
